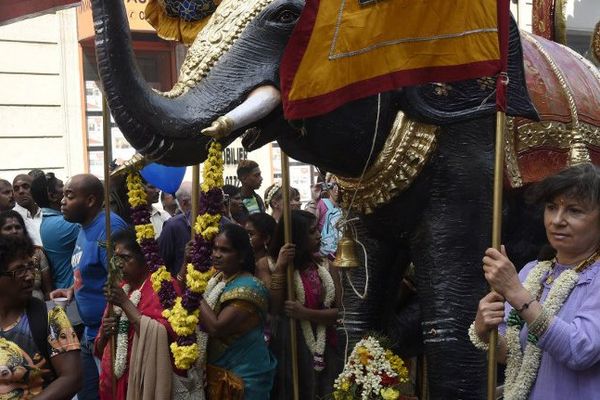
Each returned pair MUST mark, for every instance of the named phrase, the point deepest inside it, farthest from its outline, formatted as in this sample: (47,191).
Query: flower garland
(182,312)
(213,292)
(316,345)
(123,330)
(371,372)
(522,366)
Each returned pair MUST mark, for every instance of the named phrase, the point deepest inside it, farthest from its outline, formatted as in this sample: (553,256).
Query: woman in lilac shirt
(550,324)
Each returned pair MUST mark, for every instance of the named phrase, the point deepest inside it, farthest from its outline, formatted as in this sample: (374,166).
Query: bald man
(82,203)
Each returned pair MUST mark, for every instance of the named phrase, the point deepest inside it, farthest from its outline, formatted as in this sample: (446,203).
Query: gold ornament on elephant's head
(221,31)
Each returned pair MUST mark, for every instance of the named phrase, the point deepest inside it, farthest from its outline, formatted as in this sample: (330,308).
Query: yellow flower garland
(397,365)
(136,193)
(206,225)
(144,232)
(212,174)
(196,280)
(185,356)
(181,321)
(159,276)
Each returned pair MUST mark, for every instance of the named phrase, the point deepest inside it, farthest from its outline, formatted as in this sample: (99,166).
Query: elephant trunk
(223,77)
(148,120)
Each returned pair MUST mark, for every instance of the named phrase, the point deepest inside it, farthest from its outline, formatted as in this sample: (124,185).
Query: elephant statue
(418,161)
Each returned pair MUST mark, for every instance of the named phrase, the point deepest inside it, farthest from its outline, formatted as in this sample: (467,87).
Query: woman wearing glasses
(142,331)
(38,354)
(12,224)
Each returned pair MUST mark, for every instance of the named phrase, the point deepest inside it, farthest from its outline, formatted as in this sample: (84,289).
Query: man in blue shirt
(58,235)
(82,203)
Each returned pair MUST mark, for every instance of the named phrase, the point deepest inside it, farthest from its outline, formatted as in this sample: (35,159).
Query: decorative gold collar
(405,153)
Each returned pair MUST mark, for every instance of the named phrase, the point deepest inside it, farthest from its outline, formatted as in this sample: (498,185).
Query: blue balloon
(167,179)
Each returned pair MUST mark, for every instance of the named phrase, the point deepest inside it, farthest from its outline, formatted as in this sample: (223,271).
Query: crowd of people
(59,313)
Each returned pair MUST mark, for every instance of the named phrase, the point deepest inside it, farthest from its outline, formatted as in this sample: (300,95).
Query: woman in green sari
(232,313)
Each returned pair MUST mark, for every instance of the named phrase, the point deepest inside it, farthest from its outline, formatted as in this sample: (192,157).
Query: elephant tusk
(220,128)
(259,103)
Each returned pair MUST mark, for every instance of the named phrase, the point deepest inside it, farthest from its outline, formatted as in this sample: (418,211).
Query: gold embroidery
(510,155)
(248,294)
(222,29)
(406,151)
(578,152)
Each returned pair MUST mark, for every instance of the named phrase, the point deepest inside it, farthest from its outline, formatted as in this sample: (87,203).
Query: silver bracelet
(476,340)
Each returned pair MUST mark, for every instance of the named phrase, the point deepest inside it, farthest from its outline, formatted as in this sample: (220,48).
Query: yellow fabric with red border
(369,41)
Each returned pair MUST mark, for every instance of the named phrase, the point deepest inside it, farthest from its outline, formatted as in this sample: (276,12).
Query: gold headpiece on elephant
(222,29)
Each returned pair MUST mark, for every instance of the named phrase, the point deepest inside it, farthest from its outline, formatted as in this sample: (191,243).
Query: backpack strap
(37,315)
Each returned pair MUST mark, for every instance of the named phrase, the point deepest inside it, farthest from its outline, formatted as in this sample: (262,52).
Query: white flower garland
(214,289)
(522,367)
(366,375)
(316,345)
(123,330)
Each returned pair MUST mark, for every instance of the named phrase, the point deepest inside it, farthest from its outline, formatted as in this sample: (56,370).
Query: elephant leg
(447,248)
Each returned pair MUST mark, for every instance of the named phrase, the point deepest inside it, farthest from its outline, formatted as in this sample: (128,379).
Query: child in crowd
(318,295)
(261,228)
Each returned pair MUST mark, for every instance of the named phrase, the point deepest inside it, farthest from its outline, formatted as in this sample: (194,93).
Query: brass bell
(346,251)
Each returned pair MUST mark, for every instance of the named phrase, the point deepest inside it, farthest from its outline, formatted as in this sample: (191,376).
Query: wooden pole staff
(195,196)
(496,240)
(107,141)
(291,295)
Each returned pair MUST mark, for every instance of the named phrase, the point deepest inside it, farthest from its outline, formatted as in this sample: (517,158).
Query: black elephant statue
(425,155)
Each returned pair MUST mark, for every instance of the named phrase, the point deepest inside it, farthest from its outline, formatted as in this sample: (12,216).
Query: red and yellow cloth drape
(341,50)
(549,19)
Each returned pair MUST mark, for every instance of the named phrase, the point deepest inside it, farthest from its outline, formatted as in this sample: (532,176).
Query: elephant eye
(286,16)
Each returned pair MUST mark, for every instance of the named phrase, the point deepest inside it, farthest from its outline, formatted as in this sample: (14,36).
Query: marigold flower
(159,276)
(182,323)
(144,232)
(185,356)
(196,280)
(363,355)
(389,394)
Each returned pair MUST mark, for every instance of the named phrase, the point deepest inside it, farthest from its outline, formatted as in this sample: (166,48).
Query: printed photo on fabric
(24,371)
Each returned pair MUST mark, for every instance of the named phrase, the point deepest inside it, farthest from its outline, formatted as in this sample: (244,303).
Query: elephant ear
(444,103)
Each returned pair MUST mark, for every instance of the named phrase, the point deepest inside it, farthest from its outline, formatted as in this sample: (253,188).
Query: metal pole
(195,196)
(496,239)
(287,222)
(107,142)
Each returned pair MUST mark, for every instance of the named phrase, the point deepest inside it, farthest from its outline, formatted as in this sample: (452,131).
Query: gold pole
(195,195)
(287,222)
(496,239)
(518,15)
(107,141)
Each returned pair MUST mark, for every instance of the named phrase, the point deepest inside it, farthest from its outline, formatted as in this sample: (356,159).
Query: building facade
(50,101)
